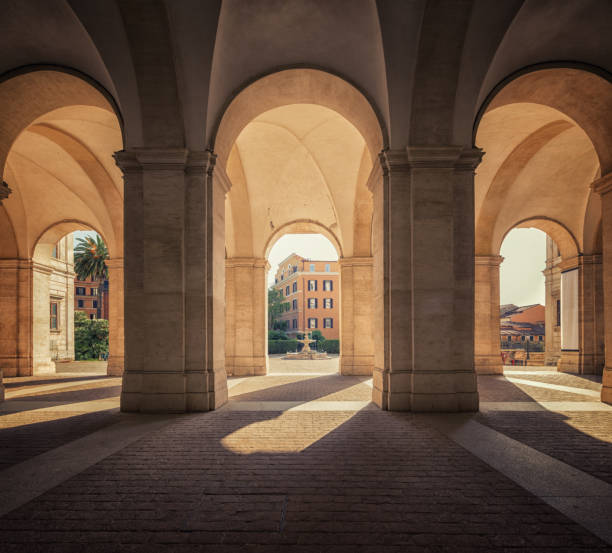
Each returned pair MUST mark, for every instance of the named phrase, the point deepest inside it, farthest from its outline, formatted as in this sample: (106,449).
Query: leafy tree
(276,306)
(90,257)
(90,337)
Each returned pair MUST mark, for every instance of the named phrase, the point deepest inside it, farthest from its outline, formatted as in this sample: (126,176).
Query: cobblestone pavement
(354,480)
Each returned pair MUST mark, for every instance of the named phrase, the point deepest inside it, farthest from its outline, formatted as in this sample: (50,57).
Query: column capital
(580,260)
(16,263)
(115,263)
(602,185)
(256,262)
(5,191)
(489,260)
(444,157)
(357,260)
(151,159)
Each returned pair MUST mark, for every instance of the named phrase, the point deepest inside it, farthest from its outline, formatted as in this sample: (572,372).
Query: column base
(488,364)
(356,365)
(606,385)
(576,362)
(154,392)
(444,392)
(114,366)
(246,366)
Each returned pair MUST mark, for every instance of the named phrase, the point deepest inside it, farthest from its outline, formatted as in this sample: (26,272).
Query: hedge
(282,346)
(330,346)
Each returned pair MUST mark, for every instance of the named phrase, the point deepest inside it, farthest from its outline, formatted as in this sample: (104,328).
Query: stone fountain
(306,352)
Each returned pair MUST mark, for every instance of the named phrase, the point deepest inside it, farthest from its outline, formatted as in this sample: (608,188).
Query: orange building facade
(312,290)
(87,299)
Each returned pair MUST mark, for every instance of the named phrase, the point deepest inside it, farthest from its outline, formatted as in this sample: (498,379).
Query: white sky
(312,246)
(84,233)
(521,278)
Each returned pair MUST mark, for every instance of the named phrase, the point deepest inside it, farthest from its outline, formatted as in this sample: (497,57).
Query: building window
(312,285)
(328,285)
(92,316)
(312,267)
(312,323)
(54,251)
(80,303)
(328,322)
(327,267)
(531,338)
(294,323)
(540,338)
(295,286)
(294,305)
(328,303)
(93,291)
(280,292)
(80,291)
(95,303)
(287,290)
(522,338)
(558,312)
(54,316)
(312,303)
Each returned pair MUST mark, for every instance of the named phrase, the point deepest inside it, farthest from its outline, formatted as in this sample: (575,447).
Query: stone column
(246,325)
(603,187)
(591,323)
(16,309)
(423,227)
(587,357)
(389,183)
(356,343)
(552,284)
(115,317)
(174,281)
(442,212)
(487,354)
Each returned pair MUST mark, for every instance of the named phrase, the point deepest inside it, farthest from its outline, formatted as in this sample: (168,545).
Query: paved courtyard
(301,460)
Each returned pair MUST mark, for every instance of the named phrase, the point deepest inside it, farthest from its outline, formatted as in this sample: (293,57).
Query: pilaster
(487,354)
(246,325)
(115,366)
(356,343)
(16,348)
(603,187)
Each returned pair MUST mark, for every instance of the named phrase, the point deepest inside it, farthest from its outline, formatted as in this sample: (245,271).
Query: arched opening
(304,294)
(57,137)
(543,132)
(298,148)
(530,299)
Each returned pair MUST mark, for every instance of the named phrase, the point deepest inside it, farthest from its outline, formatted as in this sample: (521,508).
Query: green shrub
(282,346)
(90,337)
(277,335)
(330,346)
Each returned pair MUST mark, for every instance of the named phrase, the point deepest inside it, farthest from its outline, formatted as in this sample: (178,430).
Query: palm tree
(90,257)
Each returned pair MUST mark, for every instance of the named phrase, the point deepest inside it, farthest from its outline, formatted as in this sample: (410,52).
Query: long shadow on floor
(27,383)
(306,389)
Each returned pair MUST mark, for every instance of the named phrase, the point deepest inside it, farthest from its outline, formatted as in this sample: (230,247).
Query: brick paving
(302,481)
(497,388)
(266,481)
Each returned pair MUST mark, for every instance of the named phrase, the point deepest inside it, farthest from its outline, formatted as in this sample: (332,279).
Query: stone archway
(545,146)
(56,151)
(315,138)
